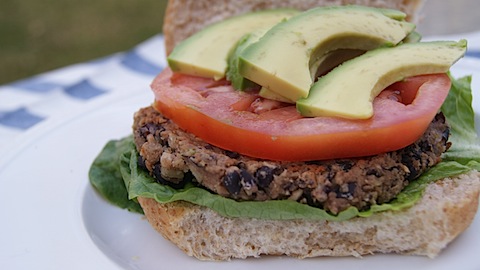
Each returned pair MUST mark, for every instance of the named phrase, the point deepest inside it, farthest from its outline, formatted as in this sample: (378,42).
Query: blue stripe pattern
(37,86)
(473,53)
(84,90)
(84,86)
(20,118)
(139,64)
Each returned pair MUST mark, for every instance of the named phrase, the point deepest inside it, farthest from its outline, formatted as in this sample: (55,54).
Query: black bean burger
(226,173)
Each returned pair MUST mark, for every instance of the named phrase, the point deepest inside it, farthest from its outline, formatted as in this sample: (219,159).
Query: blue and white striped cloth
(29,102)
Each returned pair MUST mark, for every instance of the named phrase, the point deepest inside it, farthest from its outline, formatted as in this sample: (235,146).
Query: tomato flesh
(223,117)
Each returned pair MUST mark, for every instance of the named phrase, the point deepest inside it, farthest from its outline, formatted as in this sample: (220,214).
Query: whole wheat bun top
(185,17)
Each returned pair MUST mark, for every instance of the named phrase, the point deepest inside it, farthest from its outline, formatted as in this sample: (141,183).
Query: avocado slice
(308,36)
(333,59)
(233,75)
(205,53)
(348,90)
(412,37)
(322,66)
(319,68)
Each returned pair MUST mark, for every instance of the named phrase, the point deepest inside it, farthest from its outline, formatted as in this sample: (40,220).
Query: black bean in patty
(332,185)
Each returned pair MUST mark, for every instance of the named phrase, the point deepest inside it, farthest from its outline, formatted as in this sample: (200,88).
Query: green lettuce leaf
(462,157)
(458,110)
(106,178)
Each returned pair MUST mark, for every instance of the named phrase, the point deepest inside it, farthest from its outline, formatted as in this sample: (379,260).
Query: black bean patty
(173,157)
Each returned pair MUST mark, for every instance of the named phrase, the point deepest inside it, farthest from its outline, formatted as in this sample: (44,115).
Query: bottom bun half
(446,209)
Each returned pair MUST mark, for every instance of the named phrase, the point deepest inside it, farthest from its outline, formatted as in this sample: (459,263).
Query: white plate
(52,219)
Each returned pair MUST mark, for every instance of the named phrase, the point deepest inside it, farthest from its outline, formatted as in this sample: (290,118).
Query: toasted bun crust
(446,209)
(185,17)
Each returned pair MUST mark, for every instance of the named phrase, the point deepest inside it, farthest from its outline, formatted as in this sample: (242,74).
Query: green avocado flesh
(117,178)
(282,59)
(372,72)
(320,67)
(412,37)
(205,53)
(233,75)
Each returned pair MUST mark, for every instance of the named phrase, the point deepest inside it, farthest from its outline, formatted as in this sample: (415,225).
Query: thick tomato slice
(230,119)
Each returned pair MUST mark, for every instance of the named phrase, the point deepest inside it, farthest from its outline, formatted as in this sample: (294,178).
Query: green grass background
(41,35)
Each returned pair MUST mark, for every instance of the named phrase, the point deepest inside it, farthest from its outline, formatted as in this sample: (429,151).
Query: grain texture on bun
(446,209)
